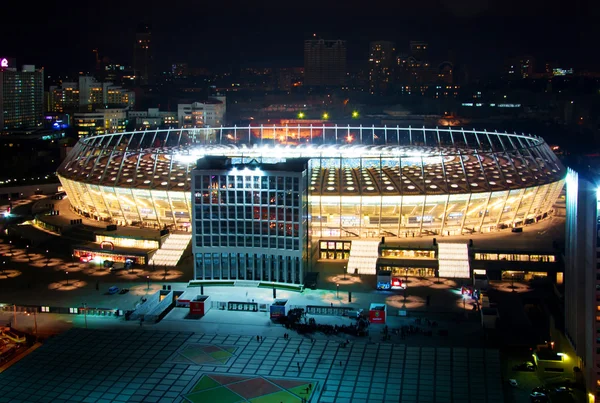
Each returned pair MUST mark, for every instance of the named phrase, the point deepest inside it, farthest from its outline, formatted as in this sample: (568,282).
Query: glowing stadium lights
(325,116)
(355,114)
(471,180)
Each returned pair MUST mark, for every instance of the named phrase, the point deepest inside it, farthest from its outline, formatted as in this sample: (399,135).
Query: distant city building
(283,79)
(119,74)
(415,74)
(180,70)
(21,96)
(381,66)
(142,55)
(250,219)
(88,93)
(153,118)
(209,113)
(419,50)
(101,121)
(582,272)
(324,63)
(520,67)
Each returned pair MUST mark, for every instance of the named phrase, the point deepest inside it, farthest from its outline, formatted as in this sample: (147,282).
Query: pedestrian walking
(298,350)
(310,386)
(340,363)
(298,364)
(257,338)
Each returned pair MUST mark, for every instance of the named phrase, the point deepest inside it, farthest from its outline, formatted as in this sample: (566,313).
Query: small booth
(200,305)
(377,313)
(278,308)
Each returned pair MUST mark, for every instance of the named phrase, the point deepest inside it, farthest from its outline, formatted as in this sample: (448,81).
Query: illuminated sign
(4,62)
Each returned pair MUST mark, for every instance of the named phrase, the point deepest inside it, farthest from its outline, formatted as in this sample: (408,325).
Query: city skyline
(481,36)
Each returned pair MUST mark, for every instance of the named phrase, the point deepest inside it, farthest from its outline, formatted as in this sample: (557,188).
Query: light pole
(11,247)
(85,313)
(512,282)
(15,314)
(3,266)
(67,274)
(47,257)
(337,285)
(344,272)
(34,321)
(148,280)
(27,248)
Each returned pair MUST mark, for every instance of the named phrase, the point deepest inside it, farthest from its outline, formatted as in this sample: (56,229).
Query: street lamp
(27,248)
(47,257)
(3,266)
(85,313)
(34,321)
(337,285)
(148,280)
(344,272)
(67,274)
(512,282)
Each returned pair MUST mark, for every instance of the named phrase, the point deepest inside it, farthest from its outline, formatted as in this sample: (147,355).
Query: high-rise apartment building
(87,93)
(21,97)
(582,274)
(142,55)
(324,63)
(381,65)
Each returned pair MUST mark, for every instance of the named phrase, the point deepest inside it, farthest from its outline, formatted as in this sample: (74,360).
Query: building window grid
(515,257)
(254,206)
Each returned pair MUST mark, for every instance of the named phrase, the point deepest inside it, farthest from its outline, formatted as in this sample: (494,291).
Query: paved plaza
(161,366)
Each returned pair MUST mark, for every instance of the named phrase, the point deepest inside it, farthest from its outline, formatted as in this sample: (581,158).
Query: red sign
(196,307)
(377,316)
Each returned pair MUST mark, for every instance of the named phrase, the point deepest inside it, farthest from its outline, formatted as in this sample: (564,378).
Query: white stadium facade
(362,183)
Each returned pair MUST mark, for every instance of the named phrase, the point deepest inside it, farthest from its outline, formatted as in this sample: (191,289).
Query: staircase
(363,256)
(453,259)
(171,250)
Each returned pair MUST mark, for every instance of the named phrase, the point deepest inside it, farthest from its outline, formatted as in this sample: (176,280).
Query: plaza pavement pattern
(83,365)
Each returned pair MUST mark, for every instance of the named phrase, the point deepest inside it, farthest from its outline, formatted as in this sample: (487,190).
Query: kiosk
(377,313)
(278,308)
(200,305)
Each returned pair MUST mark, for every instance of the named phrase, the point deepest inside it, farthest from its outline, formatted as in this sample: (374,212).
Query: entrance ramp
(171,250)
(363,257)
(453,260)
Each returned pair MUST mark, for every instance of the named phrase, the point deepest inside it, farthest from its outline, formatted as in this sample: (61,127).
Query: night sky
(219,34)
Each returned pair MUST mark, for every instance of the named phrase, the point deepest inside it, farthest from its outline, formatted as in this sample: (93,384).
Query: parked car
(524,366)
(540,389)
(563,389)
(513,382)
(355,314)
(113,290)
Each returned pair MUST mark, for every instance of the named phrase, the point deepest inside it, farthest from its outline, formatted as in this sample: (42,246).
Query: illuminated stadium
(363,182)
